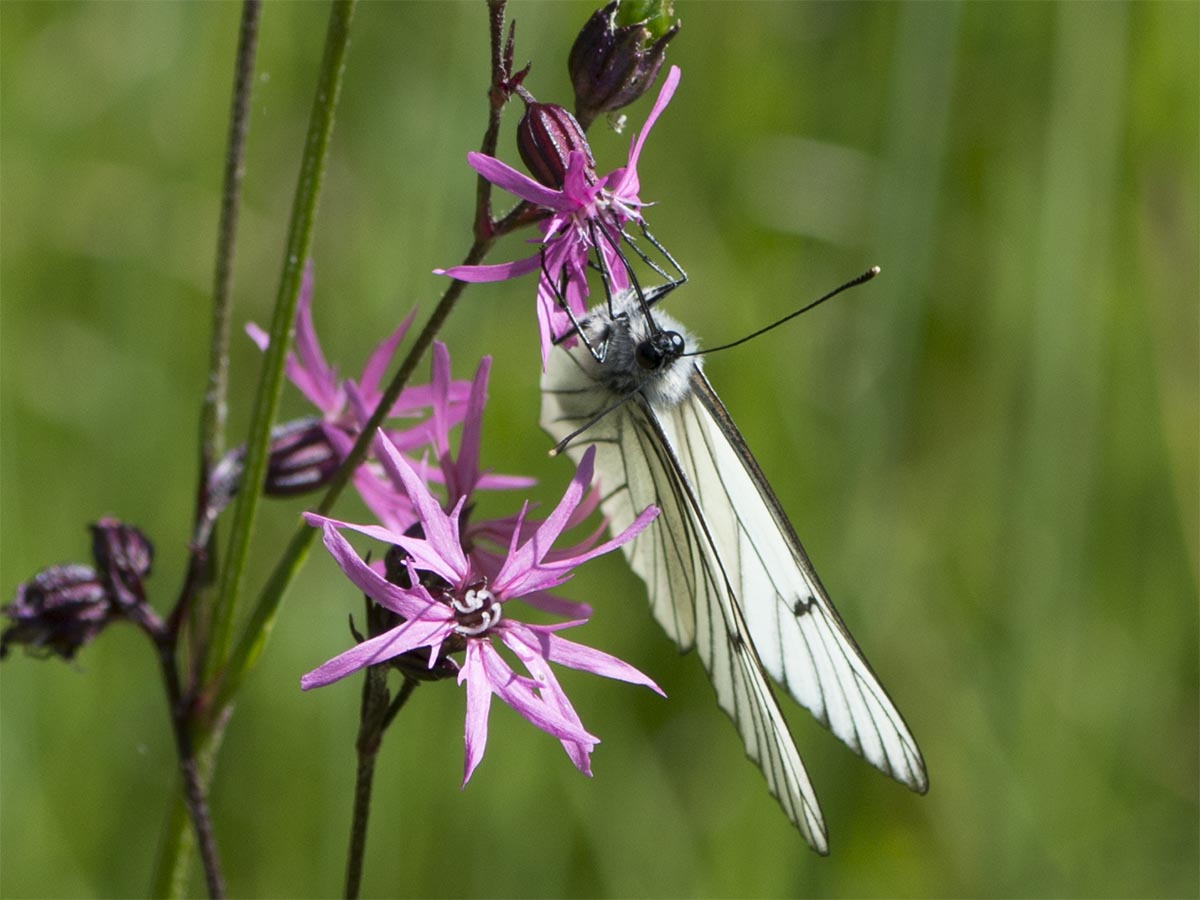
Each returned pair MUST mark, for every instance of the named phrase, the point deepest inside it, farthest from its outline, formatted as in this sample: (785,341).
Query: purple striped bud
(124,556)
(302,460)
(58,611)
(63,608)
(546,136)
(612,64)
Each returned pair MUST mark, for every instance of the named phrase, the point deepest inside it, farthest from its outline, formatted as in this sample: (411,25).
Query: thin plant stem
(213,408)
(193,783)
(178,843)
(376,715)
(486,231)
(213,411)
(300,231)
(364,779)
(205,723)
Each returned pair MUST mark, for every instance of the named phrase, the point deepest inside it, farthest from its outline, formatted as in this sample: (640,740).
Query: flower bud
(124,556)
(546,135)
(302,459)
(60,610)
(612,64)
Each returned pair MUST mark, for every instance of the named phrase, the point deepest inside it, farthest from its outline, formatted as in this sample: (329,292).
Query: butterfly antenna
(855,282)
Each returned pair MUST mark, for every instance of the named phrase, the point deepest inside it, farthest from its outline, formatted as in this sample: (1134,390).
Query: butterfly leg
(560,298)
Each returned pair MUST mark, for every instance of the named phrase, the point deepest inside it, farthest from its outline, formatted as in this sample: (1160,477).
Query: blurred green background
(990,452)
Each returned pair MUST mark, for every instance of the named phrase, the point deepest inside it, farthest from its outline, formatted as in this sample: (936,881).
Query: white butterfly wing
(725,573)
(690,595)
(800,637)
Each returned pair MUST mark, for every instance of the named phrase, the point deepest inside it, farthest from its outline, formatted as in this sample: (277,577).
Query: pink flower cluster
(460,575)
(588,214)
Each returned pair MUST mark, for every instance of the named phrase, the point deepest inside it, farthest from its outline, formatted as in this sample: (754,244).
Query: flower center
(476,610)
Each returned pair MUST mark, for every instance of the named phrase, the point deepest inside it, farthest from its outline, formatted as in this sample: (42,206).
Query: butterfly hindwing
(722,639)
(690,592)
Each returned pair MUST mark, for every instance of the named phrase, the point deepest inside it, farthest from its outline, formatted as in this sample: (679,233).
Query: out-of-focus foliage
(990,452)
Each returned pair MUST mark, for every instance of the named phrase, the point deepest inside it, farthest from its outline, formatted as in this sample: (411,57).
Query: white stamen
(473,604)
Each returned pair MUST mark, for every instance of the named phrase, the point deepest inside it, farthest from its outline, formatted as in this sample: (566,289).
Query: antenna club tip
(873,271)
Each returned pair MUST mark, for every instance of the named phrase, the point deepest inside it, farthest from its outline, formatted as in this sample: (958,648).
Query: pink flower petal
(260,337)
(588,659)
(515,691)
(505,176)
(635,528)
(557,606)
(479,702)
(442,550)
(522,561)
(575,183)
(551,692)
(408,602)
(496,272)
(493,481)
(627,184)
(439,382)
(412,634)
(378,532)
(466,466)
(381,358)
(308,370)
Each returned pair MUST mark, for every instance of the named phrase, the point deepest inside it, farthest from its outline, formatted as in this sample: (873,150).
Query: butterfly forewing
(801,640)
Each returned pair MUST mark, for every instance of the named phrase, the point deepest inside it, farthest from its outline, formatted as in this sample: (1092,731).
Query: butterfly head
(658,350)
(637,353)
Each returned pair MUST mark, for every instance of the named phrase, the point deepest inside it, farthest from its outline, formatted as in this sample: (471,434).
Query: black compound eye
(648,355)
(659,349)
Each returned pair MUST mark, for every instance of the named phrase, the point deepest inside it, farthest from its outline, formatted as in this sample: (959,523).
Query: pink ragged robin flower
(587,214)
(320,382)
(460,473)
(451,606)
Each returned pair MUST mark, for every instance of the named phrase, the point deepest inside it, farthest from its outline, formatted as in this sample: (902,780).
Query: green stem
(304,209)
(214,404)
(486,231)
(173,866)
(191,771)
(213,411)
(375,716)
(363,781)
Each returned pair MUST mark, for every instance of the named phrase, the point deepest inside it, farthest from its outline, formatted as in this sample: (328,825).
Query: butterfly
(723,567)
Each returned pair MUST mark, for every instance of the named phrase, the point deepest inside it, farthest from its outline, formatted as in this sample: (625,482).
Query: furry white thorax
(616,337)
